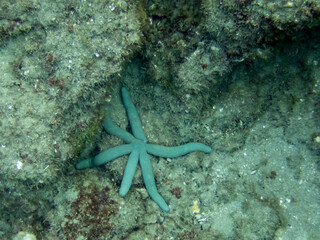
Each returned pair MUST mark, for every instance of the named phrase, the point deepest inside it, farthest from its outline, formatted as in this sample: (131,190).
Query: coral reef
(59,61)
(192,47)
(239,75)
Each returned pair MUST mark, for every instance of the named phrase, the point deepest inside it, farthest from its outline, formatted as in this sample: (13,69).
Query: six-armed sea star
(138,148)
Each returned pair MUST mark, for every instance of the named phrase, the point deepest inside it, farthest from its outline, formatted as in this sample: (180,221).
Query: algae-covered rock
(59,62)
(192,47)
(253,99)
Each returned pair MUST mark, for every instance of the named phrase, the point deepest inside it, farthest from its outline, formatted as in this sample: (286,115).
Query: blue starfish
(138,148)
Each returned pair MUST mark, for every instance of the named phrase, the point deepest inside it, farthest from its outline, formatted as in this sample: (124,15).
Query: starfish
(138,148)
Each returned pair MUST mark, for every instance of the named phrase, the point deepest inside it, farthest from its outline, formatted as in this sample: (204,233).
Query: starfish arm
(171,152)
(113,129)
(129,173)
(149,181)
(105,156)
(86,163)
(133,116)
(112,154)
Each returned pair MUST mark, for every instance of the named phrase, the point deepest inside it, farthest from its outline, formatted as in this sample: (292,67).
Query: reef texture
(239,75)
(59,61)
(192,47)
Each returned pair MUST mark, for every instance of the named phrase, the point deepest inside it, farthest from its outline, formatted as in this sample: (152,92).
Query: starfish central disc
(138,148)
